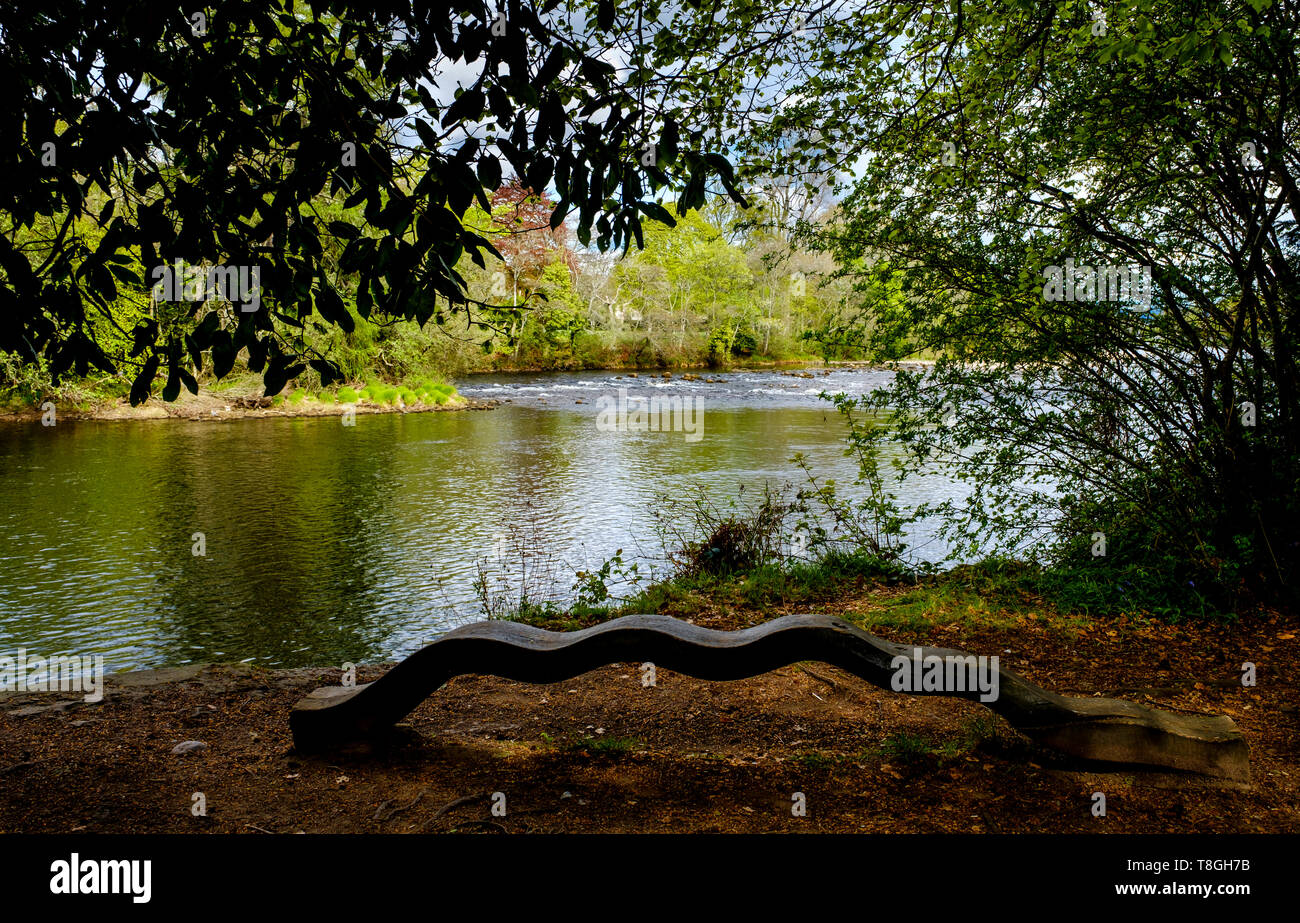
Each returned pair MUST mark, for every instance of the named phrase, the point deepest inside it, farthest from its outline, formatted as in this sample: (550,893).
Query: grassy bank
(234,397)
(860,588)
(23,391)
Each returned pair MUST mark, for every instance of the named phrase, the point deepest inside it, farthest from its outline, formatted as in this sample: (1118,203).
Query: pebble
(189,746)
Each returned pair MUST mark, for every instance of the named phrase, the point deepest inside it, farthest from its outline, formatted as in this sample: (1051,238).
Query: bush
(701,539)
(590,351)
(745,343)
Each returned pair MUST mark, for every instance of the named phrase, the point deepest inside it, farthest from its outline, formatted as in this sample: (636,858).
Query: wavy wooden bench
(1104,730)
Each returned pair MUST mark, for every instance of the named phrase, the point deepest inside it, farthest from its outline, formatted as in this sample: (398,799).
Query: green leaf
(605,15)
(143,383)
(467,107)
(344,230)
(427,135)
(489,171)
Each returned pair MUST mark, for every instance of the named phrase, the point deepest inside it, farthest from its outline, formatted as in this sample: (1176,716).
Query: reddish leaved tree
(522,232)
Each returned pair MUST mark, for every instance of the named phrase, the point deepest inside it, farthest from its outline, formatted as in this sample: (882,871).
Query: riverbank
(602,753)
(239,402)
(242,396)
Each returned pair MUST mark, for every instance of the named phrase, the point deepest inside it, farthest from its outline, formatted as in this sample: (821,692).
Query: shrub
(745,343)
(699,538)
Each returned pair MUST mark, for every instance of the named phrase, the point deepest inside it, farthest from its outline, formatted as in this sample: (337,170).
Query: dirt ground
(602,753)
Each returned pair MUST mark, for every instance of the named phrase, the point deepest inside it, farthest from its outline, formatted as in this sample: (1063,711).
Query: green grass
(298,396)
(905,747)
(941,603)
(438,392)
(815,759)
(769,585)
(670,596)
(993,595)
(551,617)
(409,393)
(607,745)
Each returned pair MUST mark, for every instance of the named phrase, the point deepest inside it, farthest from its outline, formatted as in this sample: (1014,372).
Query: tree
(1008,146)
(215,137)
(688,277)
(524,234)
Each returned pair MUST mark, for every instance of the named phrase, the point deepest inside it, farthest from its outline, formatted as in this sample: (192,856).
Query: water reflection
(327,543)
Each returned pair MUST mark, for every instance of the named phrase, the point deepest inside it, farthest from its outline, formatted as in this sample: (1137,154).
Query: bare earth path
(602,753)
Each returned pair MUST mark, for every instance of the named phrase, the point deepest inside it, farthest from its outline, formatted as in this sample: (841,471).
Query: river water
(324,543)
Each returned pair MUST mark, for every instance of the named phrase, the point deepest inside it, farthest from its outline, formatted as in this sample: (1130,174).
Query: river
(324,543)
